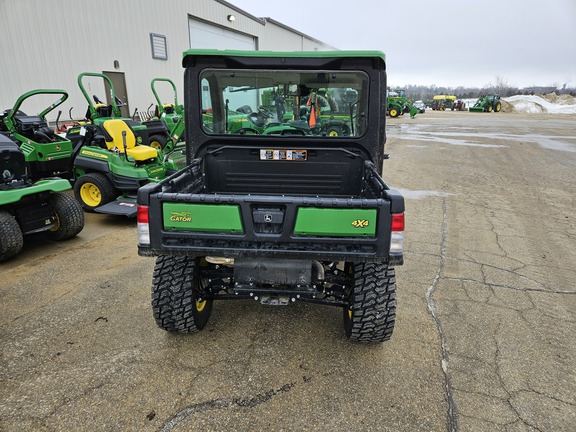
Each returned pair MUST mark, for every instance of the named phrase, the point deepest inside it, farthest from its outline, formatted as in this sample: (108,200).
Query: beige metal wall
(46,44)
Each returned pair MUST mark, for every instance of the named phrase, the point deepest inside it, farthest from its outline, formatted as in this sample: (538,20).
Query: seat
(140,153)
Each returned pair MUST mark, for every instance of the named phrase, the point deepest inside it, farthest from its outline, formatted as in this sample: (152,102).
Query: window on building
(159,47)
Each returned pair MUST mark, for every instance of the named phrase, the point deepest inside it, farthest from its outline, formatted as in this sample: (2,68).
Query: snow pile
(538,104)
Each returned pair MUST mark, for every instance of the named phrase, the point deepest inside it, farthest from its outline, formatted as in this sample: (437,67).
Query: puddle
(464,137)
(441,138)
(419,194)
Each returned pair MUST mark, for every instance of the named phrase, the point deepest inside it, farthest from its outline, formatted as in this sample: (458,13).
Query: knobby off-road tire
(371,313)
(94,190)
(69,217)
(175,295)
(11,237)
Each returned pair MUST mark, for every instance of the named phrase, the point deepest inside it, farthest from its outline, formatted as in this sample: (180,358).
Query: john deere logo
(156,170)
(360,223)
(180,217)
(93,154)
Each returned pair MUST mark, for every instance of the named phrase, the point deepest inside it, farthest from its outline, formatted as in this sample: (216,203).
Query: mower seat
(140,153)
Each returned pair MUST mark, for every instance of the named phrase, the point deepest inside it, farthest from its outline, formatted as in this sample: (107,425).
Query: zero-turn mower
(30,207)
(47,154)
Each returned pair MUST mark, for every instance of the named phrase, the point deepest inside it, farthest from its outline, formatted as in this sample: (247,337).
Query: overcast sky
(444,42)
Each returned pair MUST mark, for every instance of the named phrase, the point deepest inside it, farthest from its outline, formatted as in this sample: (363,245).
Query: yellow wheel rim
(200,305)
(350,313)
(56,223)
(333,133)
(156,145)
(90,194)
(393,113)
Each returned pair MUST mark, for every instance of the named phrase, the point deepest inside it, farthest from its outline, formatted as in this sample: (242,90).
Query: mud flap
(123,206)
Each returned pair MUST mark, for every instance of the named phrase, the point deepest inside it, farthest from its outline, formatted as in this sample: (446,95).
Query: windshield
(284,102)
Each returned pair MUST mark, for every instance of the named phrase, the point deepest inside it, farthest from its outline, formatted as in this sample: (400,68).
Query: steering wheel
(264,112)
(247,131)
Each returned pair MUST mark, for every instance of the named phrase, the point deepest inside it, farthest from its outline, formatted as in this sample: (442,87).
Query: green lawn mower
(47,154)
(28,207)
(487,103)
(170,114)
(153,133)
(109,166)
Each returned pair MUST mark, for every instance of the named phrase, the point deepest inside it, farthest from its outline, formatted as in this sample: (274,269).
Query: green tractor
(109,166)
(487,103)
(154,133)
(47,154)
(28,207)
(398,104)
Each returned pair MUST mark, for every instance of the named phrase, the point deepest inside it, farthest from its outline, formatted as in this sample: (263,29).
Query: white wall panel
(47,43)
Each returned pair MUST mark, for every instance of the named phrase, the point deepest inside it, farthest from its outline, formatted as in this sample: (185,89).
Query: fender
(90,164)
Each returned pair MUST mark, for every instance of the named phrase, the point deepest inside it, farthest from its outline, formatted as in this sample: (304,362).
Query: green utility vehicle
(47,154)
(277,218)
(28,207)
(487,103)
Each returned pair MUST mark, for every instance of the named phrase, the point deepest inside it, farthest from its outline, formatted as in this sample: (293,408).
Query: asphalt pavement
(486,319)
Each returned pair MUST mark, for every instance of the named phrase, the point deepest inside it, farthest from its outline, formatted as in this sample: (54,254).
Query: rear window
(287,103)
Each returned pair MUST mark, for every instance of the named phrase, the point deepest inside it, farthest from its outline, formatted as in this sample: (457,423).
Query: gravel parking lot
(484,338)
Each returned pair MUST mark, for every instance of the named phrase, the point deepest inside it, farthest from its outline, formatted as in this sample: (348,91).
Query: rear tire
(93,190)
(334,131)
(11,237)
(69,217)
(497,107)
(176,302)
(371,312)
(158,141)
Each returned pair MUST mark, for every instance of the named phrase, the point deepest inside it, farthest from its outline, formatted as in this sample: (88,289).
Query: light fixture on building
(231,18)
(116,64)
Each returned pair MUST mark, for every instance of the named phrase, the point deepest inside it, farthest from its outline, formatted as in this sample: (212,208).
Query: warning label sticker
(289,155)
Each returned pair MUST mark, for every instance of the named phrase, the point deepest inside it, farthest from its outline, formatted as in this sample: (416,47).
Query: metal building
(47,44)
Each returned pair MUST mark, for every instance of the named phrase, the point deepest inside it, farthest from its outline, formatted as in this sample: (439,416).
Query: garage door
(204,35)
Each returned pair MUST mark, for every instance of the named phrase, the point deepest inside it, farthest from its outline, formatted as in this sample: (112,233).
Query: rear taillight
(398,222)
(143,226)
(397,236)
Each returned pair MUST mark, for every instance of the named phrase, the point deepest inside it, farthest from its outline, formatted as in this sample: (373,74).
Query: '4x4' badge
(360,223)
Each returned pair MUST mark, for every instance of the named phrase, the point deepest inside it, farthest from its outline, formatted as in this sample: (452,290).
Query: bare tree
(501,86)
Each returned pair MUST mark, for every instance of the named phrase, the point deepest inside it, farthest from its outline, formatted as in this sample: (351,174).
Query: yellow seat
(115,127)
